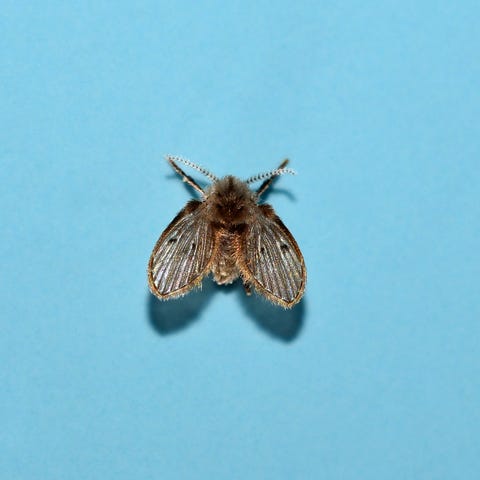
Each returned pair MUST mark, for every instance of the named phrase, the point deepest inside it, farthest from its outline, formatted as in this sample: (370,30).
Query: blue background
(375,374)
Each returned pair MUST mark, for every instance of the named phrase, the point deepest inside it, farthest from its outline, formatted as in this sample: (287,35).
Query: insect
(230,234)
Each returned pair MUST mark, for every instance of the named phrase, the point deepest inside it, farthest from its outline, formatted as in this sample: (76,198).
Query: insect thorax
(230,202)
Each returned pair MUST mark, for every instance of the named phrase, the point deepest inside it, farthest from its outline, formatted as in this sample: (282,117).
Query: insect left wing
(272,261)
(183,253)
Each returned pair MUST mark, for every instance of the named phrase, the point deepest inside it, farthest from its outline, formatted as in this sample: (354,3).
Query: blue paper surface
(375,374)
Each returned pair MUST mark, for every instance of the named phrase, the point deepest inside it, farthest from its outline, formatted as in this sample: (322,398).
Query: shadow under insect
(173,316)
(282,324)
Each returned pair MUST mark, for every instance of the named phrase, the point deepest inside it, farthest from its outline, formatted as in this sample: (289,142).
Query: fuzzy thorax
(230,202)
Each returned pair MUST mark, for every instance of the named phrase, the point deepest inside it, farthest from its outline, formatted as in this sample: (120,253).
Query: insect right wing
(182,254)
(271,259)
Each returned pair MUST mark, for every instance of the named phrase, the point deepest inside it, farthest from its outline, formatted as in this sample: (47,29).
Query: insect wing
(272,259)
(183,253)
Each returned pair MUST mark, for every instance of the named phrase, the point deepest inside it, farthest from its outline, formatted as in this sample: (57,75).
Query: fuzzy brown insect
(231,235)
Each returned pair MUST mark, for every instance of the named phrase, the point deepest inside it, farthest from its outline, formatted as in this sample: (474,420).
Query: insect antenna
(268,177)
(186,178)
(188,163)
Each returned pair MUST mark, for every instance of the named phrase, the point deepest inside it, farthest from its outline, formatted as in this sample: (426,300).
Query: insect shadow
(168,317)
(281,324)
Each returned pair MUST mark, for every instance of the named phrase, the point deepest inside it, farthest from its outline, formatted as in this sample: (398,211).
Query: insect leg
(268,182)
(186,178)
(248,288)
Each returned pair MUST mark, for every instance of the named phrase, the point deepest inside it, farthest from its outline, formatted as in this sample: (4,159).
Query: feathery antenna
(271,174)
(190,164)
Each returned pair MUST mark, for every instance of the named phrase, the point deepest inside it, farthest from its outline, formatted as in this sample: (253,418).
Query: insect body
(231,235)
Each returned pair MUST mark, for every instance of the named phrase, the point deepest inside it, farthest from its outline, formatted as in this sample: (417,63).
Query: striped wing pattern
(275,262)
(182,255)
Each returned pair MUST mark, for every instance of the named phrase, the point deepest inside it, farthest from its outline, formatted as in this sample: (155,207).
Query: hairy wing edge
(173,269)
(272,260)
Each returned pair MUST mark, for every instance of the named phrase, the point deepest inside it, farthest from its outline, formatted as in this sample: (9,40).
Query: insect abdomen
(224,268)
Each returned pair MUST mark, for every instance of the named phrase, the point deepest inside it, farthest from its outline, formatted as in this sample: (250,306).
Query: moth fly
(230,234)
